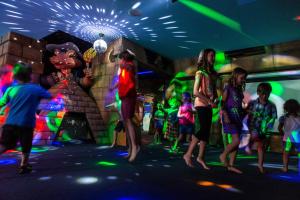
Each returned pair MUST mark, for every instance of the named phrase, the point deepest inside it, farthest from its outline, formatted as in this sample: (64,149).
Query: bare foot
(223,160)
(202,163)
(235,170)
(284,169)
(113,145)
(261,169)
(188,160)
(134,153)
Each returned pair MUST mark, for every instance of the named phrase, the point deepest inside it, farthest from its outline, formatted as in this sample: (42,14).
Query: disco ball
(100,46)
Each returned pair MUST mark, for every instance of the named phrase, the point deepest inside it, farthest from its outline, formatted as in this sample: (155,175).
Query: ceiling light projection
(82,20)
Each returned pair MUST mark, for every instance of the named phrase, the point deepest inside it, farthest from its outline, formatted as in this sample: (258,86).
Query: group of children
(260,114)
(23,99)
(175,122)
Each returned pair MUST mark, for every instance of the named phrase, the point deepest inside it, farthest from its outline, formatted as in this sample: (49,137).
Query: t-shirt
(23,100)
(291,128)
(261,116)
(126,78)
(185,114)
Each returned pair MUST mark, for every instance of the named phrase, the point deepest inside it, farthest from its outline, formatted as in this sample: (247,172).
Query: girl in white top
(289,127)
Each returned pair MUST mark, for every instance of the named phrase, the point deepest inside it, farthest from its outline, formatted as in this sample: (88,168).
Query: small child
(289,126)
(232,115)
(172,121)
(186,119)
(261,117)
(23,100)
(159,118)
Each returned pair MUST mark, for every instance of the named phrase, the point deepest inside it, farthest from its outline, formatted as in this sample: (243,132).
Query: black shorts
(120,126)
(205,119)
(11,134)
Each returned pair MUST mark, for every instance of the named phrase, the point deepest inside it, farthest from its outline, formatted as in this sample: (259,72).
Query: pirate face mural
(66,59)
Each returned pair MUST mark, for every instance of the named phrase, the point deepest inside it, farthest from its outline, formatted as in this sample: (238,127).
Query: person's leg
(232,158)
(114,139)
(133,139)
(229,148)
(260,154)
(285,159)
(188,138)
(204,116)
(200,157)
(187,156)
(155,137)
(26,136)
(178,139)
(159,136)
(225,139)
(8,138)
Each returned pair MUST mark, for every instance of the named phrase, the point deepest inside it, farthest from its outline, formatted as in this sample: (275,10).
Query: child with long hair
(289,127)
(261,117)
(232,115)
(205,91)
(186,119)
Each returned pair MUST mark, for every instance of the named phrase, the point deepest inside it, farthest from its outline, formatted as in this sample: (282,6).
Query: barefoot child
(232,115)
(289,127)
(262,114)
(205,92)
(186,119)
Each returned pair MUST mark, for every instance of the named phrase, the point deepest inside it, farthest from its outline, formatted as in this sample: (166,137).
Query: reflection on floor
(86,171)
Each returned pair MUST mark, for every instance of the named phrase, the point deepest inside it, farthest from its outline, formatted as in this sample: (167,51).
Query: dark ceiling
(175,30)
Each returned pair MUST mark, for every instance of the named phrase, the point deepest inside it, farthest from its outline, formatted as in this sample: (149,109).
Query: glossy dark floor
(91,172)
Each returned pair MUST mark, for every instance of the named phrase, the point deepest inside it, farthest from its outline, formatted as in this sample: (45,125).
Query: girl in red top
(127,93)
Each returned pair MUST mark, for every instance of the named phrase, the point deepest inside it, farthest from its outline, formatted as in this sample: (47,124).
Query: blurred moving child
(289,127)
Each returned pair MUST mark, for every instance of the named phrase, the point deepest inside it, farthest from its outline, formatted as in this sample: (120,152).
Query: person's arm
(223,110)
(45,94)
(193,109)
(197,89)
(179,112)
(5,98)
(117,83)
(280,125)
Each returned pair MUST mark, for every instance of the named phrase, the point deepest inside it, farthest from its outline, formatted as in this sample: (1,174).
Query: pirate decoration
(67,60)
(72,111)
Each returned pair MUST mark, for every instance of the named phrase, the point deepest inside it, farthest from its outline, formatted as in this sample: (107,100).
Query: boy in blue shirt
(23,100)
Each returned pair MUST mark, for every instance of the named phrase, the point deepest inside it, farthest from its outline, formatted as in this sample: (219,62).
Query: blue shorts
(186,129)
